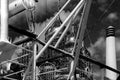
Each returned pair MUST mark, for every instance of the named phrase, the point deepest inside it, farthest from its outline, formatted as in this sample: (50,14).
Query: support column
(34,62)
(4,21)
(110,53)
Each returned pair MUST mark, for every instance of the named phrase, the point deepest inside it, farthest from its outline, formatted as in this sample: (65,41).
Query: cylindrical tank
(44,10)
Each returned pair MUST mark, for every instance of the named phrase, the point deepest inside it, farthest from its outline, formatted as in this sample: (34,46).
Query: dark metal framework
(78,53)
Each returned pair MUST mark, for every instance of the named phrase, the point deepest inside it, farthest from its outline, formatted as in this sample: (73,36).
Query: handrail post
(34,62)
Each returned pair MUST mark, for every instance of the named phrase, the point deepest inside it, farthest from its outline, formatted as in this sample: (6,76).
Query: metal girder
(80,35)
(61,51)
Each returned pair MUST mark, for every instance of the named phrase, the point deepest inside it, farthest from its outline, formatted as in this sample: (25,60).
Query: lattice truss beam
(31,61)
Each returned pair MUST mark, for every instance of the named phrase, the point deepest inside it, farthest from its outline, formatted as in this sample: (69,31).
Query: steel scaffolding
(31,63)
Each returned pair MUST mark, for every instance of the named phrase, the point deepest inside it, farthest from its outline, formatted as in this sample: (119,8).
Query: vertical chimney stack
(110,52)
(4,21)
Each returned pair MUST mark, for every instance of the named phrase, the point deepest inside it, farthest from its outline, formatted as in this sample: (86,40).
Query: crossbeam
(33,37)
(80,35)
(64,52)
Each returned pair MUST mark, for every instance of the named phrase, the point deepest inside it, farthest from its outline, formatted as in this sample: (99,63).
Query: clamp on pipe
(28,4)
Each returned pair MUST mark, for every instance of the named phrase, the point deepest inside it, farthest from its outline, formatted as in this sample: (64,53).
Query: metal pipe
(21,64)
(64,23)
(28,68)
(63,34)
(13,59)
(23,41)
(58,70)
(10,78)
(58,50)
(80,34)
(34,62)
(4,21)
(53,19)
(67,27)
(13,73)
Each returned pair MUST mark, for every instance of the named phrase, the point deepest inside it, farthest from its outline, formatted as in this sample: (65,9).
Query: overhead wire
(100,18)
(89,37)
